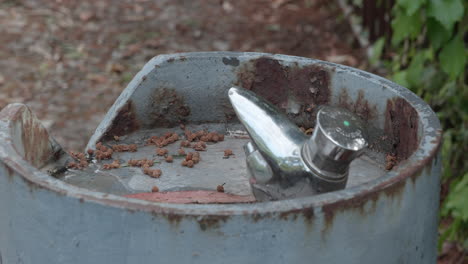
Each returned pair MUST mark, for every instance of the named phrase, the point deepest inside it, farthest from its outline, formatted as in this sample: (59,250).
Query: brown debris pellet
(155,189)
(141,163)
(90,152)
(116,138)
(73,165)
(185,143)
(81,161)
(174,137)
(161,151)
(189,156)
(152,140)
(220,188)
(199,146)
(169,159)
(191,159)
(77,155)
(204,136)
(84,163)
(181,151)
(114,165)
(201,133)
(103,152)
(166,139)
(156,173)
(228,153)
(391,160)
(190,136)
(190,163)
(122,148)
(195,157)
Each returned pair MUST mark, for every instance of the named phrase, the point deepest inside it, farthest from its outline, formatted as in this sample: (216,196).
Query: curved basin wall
(390,220)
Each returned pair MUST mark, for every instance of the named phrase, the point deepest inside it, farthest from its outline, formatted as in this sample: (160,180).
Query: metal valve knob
(338,138)
(283,161)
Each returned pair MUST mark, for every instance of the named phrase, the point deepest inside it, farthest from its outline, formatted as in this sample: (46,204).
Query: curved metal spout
(273,134)
(289,155)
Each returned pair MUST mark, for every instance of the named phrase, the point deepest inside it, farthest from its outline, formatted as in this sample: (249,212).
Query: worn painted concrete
(392,219)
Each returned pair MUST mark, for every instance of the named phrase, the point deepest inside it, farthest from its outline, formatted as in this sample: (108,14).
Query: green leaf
(453,58)
(405,26)
(437,33)
(400,78)
(447,12)
(415,69)
(377,49)
(456,201)
(410,6)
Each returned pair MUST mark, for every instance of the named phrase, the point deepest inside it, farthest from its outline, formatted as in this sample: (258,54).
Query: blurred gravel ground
(69,60)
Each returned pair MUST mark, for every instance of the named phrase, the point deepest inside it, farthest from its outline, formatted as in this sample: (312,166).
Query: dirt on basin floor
(69,60)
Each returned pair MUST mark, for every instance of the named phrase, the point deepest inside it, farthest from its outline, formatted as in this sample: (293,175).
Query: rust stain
(206,223)
(359,201)
(401,124)
(286,86)
(168,108)
(310,84)
(360,107)
(289,215)
(392,189)
(256,216)
(173,218)
(307,214)
(192,197)
(125,122)
(268,80)
(212,222)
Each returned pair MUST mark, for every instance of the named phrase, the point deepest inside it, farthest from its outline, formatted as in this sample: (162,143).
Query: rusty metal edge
(427,149)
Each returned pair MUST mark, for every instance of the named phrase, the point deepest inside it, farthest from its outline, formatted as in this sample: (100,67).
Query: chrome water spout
(283,162)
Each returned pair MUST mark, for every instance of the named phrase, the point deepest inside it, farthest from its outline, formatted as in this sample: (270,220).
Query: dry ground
(69,60)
